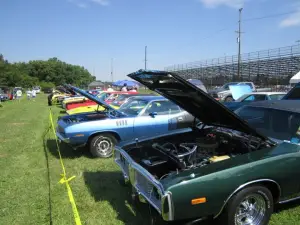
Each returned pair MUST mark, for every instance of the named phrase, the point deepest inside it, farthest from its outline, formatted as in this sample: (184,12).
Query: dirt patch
(2,140)
(3,155)
(17,124)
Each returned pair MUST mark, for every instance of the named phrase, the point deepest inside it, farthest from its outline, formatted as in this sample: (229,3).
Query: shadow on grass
(48,174)
(62,112)
(109,186)
(282,207)
(66,151)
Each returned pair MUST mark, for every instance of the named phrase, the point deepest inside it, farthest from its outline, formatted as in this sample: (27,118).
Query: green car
(232,167)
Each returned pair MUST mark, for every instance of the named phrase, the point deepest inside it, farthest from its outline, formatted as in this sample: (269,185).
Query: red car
(107,96)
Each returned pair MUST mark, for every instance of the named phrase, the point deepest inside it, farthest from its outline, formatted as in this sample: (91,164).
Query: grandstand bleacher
(267,67)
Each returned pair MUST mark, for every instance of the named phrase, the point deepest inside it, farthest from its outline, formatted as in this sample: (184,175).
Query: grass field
(30,172)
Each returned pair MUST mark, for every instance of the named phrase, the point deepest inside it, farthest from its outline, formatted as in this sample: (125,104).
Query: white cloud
(291,20)
(86,3)
(82,5)
(229,3)
(101,2)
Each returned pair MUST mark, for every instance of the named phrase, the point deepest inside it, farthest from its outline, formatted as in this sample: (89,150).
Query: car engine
(164,156)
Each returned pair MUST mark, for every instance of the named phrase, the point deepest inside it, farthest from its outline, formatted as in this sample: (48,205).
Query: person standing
(134,89)
(124,88)
(109,88)
(33,94)
(19,94)
(28,94)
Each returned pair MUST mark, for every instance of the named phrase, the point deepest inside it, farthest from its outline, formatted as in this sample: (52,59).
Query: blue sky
(91,32)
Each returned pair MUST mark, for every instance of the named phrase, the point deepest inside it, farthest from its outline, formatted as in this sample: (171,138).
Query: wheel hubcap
(104,146)
(251,210)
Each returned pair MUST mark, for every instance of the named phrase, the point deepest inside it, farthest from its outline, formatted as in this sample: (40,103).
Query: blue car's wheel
(102,145)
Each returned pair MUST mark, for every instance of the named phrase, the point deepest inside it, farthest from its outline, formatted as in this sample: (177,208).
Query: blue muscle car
(138,117)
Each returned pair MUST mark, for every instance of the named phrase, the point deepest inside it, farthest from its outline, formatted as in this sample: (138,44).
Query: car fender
(220,181)
(112,132)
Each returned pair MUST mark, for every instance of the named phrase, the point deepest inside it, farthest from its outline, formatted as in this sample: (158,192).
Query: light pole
(112,69)
(239,43)
(145,57)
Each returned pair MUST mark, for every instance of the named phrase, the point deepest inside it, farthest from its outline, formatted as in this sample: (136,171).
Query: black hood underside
(193,100)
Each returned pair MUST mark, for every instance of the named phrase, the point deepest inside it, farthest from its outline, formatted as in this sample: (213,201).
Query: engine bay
(192,150)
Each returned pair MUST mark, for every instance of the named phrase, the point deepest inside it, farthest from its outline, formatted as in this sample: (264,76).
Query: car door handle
(180,118)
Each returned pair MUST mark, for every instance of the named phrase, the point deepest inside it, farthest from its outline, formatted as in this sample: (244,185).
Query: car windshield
(273,123)
(121,97)
(119,100)
(133,106)
(103,96)
(276,96)
(226,86)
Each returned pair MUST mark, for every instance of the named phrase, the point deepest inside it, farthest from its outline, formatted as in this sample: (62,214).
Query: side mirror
(153,114)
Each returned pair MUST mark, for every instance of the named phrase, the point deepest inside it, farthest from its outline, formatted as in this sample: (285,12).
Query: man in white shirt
(110,88)
(124,88)
(19,94)
(33,94)
(28,92)
(134,89)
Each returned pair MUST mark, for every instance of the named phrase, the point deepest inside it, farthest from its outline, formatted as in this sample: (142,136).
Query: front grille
(124,164)
(144,184)
(148,190)
(214,95)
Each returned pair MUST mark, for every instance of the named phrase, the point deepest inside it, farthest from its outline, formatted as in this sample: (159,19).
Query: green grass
(30,172)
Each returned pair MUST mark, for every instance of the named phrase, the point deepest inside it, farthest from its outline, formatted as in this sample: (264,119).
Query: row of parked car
(190,156)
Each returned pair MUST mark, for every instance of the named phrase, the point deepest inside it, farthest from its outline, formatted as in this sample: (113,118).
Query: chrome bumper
(145,185)
(62,138)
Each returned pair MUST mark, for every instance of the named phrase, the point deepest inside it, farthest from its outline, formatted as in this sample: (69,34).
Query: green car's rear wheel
(102,145)
(251,206)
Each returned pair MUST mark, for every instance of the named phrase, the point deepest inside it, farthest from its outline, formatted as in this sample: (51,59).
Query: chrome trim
(244,185)
(134,171)
(289,200)
(170,215)
(60,137)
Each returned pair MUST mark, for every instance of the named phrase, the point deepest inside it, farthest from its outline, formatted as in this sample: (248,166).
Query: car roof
(119,92)
(267,93)
(149,98)
(285,105)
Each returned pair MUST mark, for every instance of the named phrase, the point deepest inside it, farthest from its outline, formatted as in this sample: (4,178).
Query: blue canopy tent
(130,83)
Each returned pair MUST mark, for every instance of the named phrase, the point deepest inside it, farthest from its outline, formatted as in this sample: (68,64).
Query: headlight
(220,95)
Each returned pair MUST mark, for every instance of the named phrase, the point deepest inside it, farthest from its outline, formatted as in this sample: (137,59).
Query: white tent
(295,79)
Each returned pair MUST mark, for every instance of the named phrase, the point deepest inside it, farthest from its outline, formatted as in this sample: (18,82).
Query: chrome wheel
(104,146)
(251,211)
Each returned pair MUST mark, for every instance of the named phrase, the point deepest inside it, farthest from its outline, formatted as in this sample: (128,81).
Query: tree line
(46,74)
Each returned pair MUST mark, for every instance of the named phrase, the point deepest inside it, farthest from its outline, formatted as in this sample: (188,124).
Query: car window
(249,98)
(103,96)
(133,107)
(274,123)
(111,97)
(255,98)
(276,96)
(162,108)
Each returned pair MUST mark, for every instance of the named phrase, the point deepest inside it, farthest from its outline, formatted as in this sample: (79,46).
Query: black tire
(252,193)
(229,99)
(107,145)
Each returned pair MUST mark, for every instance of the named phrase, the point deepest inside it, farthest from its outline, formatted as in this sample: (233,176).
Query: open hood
(193,100)
(293,94)
(93,98)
